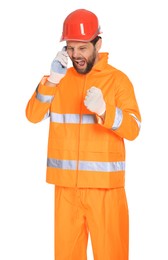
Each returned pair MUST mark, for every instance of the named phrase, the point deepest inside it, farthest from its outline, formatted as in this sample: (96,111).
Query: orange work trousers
(102,213)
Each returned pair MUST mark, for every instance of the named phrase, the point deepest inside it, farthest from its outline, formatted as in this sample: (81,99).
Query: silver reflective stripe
(136,119)
(72,118)
(46,115)
(86,165)
(88,119)
(62,164)
(118,119)
(44,98)
(65,118)
(102,166)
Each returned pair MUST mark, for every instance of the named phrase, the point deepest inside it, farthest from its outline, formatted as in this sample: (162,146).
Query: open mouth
(79,63)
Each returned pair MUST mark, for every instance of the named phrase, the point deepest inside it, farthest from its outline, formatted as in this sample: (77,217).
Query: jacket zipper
(80,122)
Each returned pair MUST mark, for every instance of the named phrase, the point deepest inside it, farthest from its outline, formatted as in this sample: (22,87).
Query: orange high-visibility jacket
(83,151)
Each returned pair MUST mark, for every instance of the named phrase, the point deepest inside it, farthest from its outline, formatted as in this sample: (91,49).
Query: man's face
(83,55)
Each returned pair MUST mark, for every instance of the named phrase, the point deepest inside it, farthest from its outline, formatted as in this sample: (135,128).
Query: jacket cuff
(43,89)
(109,117)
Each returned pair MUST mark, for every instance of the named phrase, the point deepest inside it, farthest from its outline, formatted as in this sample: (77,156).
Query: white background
(135,35)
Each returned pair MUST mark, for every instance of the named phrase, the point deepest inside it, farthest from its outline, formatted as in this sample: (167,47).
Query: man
(92,109)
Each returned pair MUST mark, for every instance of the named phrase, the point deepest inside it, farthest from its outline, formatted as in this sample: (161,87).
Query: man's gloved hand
(59,66)
(94,101)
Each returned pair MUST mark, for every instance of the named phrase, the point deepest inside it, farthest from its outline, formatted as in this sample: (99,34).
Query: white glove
(94,101)
(58,66)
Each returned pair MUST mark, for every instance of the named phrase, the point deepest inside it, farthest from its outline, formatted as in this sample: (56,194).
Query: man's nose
(75,54)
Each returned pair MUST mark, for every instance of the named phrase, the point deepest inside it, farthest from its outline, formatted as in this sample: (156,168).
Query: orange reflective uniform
(86,159)
(83,152)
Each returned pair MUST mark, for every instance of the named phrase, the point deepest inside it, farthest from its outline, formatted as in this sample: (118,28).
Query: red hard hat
(80,25)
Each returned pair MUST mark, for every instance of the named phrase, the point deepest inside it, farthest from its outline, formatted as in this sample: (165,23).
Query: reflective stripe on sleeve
(44,98)
(86,165)
(72,118)
(118,119)
(136,119)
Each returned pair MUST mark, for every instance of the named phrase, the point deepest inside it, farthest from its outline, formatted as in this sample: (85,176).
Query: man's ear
(98,44)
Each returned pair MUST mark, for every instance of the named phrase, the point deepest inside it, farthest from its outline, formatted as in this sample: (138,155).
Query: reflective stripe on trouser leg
(71,233)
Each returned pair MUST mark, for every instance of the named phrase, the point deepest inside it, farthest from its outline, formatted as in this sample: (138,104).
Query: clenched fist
(94,101)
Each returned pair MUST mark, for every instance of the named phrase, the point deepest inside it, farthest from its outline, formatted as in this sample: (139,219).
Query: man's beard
(89,66)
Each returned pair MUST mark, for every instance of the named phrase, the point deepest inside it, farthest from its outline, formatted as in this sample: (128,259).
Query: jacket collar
(99,66)
(102,62)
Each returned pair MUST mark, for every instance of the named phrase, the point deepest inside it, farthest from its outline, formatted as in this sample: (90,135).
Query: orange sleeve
(129,118)
(39,104)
